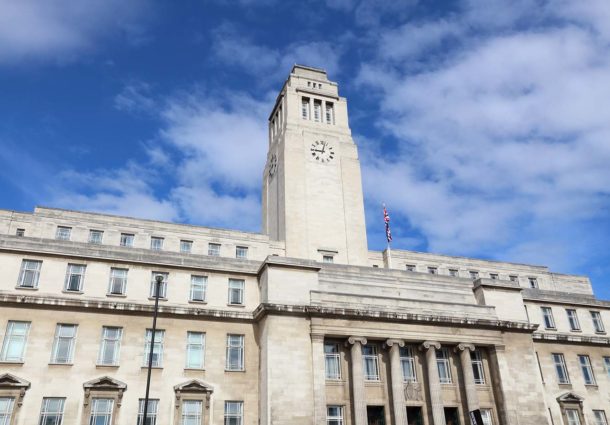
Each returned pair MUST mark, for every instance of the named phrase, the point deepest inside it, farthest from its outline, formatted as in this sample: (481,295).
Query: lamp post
(158,282)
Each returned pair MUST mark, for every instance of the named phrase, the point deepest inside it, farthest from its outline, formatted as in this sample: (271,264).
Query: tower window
(305,108)
(328,259)
(330,113)
(317,110)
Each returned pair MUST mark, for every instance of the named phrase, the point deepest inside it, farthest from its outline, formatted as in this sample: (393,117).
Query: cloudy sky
(483,124)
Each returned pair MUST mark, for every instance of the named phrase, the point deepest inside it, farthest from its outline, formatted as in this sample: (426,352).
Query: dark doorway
(452,416)
(414,415)
(375,415)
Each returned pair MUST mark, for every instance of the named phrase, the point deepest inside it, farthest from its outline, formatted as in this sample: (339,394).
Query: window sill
(197,302)
(67,291)
(550,329)
(592,386)
(372,383)
(194,369)
(154,367)
(576,330)
(61,364)
(236,370)
(600,332)
(107,366)
(117,295)
(27,288)
(160,299)
(12,362)
(339,382)
(565,385)
(236,305)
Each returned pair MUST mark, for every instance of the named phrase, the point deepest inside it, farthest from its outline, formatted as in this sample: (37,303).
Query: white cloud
(135,97)
(59,29)
(502,143)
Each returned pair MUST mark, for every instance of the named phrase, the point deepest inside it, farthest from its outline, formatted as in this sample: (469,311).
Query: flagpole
(386,219)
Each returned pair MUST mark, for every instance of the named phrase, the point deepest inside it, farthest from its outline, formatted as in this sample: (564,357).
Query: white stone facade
(298,325)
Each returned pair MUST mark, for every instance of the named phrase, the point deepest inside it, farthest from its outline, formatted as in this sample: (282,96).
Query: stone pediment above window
(105,384)
(570,398)
(11,384)
(191,388)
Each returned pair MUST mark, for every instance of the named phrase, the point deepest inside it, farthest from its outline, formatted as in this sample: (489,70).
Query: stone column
(472,398)
(398,396)
(434,383)
(319,378)
(359,400)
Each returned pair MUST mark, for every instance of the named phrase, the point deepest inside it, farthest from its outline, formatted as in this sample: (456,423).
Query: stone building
(300,324)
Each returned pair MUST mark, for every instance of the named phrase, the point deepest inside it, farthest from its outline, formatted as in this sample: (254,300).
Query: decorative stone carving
(194,386)
(11,382)
(464,346)
(391,342)
(413,392)
(428,344)
(105,384)
(353,339)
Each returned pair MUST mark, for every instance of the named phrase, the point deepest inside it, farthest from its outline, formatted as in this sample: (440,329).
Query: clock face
(272,165)
(322,151)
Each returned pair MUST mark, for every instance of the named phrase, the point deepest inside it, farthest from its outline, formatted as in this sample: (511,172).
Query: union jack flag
(386,219)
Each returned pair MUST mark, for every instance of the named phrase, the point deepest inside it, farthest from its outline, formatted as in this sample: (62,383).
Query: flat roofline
(309,68)
(42,207)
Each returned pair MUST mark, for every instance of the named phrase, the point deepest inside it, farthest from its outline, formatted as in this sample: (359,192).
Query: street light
(158,282)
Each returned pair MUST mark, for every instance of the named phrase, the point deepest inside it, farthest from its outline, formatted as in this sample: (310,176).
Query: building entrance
(414,415)
(375,415)
(452,416)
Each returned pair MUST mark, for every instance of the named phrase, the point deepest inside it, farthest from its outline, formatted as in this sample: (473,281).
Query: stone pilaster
(319,378)
(359,401)
(472,398)
(434,383)
(398,397)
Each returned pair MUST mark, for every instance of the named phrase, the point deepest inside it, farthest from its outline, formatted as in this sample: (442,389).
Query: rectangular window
(157,357)
(6,410)
(15,339)
(96,236)
(370,362)
(195,350)
(214,249)
(560,368)
(598,324)
(235,352)
(607,365)
(547,317)
(156,243)
(29,273)
(191,412)
(513,278)
(432,270)
(573,417)
(63,345)
(477,367)
(494,276)
(573,319)
(533,282)
(600,417)
(486,416)
(162,287)
(151,412)
(52,411)
(186,247)
(118,281)
(236,291)
(20,233)
(410,267)
(442,362)
(234,412)
(330,113)
(407,363)
(110,347)
(241,252)
(101,411)
(63,233)
(317,110)
(332,361)
(453,272)
(199,286)
(587,370)
(328,259)
(334,415)
(75,275)
(473,275)
(305,108)
(127,239)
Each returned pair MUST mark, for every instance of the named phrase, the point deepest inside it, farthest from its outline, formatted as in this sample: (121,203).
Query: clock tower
(312,186)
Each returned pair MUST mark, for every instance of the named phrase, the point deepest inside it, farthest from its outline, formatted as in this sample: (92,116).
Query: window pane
(13,347)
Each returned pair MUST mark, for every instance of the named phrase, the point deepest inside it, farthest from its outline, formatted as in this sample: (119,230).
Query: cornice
(562,338)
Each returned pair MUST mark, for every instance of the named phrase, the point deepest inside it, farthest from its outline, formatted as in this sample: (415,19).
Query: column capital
(427,345)
(390,342)
(464,346)
(317,337)
(354,339)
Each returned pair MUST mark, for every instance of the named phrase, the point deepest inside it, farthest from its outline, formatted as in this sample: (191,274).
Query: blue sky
(483,124)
